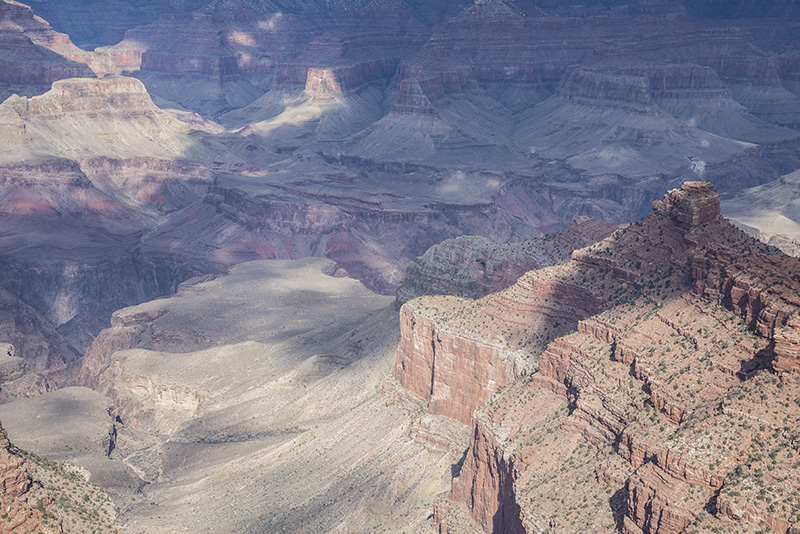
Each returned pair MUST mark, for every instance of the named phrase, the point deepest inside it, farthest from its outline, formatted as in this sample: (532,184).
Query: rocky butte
(648,385)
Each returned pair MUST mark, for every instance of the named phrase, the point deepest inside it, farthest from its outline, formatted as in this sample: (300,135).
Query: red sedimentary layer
(657,403)
(15,486)
(448,371)
(764,293)
(455,370)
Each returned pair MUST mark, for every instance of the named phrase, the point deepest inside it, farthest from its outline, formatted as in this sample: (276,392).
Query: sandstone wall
(453,373)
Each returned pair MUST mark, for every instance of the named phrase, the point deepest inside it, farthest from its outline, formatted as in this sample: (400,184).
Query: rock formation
(673,330)
(473,267)
(58,500)
(82,118)
(362,132)
(70,255)
(366,132)
(34,56)
(694,204)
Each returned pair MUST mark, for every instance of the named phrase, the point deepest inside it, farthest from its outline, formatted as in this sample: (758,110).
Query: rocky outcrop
(469,266)
(43,496)
(16,485)
(455,375)
(456,368)
(34,56)
(473,266)
(90,96)
(88,215)
(319,83)
(760,292)
(642,409)
(487,484)
(74,119)
(694,204)
(15,479)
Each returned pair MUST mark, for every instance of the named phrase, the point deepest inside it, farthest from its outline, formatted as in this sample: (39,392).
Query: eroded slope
(252,402)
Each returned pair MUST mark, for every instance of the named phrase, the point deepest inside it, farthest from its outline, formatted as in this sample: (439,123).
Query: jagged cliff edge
(611,393)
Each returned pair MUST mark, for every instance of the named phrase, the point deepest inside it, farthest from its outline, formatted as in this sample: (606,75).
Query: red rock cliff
(633,422)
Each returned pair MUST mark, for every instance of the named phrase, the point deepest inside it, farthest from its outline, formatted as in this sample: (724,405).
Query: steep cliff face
(489,472)
(762,294)
(697,96)
(78,298)
(632,421)
(490,339)
(233,54)
(15,481)
(449,371)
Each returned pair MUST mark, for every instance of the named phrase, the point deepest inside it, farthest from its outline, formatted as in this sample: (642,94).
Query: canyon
(608,392)
(394,266)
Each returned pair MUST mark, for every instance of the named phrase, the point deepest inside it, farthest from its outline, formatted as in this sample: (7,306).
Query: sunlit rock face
(600,370)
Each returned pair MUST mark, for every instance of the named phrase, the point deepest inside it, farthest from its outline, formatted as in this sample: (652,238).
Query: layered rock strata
(83,118)
(633,420)
(34,56)
(74,225)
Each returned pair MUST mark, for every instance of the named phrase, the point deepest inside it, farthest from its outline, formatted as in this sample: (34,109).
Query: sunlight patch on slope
(772,222)
(299,112)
